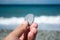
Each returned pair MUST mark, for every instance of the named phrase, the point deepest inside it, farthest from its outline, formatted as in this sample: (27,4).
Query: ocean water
(22,10)
(46,16)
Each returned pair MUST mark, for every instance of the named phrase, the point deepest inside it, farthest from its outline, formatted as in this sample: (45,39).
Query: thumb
(19,30)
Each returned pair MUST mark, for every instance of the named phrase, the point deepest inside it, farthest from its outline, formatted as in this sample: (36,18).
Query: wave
(40,19)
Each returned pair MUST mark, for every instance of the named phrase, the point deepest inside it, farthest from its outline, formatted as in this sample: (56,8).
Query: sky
(29,1)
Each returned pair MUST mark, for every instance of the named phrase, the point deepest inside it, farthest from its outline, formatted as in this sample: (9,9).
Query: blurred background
(47,16)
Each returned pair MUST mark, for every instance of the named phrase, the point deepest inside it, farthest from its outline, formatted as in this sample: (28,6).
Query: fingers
(20,30)
(32,34)
(22,37)
(34,25)
(33,31)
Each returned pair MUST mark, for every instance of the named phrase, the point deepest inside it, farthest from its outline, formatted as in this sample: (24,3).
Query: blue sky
(29,1)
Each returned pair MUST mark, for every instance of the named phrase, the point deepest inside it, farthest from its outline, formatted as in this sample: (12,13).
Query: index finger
(34,25)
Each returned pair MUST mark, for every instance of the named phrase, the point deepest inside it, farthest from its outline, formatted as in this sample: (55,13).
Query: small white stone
(29,18)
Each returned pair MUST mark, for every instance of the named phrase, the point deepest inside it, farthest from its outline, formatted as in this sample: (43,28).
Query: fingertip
(34,25)
(25,23)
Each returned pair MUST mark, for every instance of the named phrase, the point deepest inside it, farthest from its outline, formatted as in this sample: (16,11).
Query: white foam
(12,20)
(41,19)
(48,19)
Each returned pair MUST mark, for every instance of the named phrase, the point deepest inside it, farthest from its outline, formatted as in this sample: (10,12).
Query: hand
(23,32)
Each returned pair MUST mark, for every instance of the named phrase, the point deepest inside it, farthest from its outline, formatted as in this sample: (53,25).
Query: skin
(23,32)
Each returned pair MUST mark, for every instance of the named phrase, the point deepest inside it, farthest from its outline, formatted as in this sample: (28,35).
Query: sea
(46,16)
